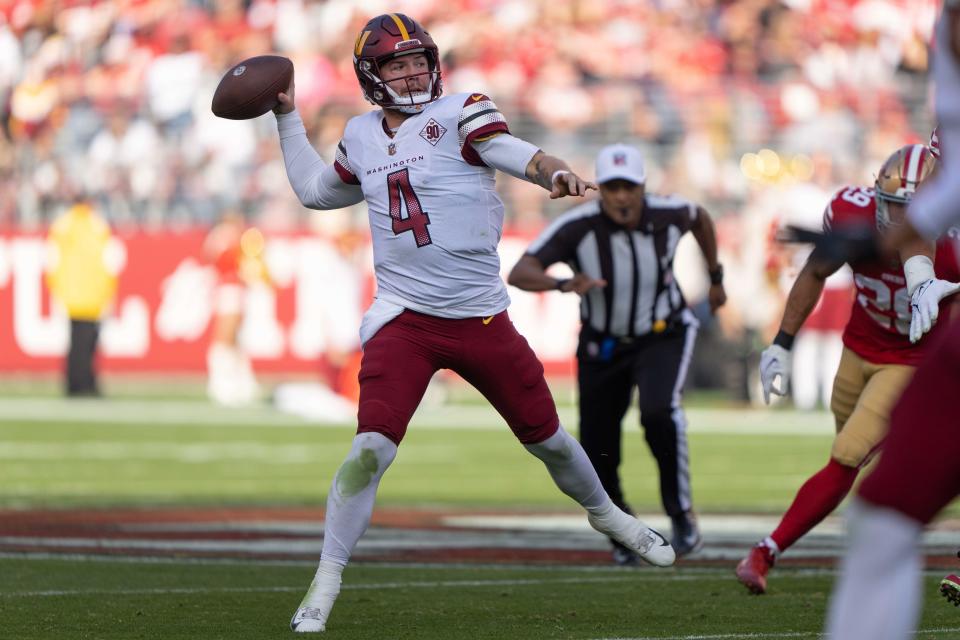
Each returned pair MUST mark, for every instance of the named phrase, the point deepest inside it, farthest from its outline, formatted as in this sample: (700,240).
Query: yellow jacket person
(80,279)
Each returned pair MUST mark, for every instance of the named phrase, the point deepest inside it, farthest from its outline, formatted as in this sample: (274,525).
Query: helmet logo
(361,40)
(406,44)
(239,70)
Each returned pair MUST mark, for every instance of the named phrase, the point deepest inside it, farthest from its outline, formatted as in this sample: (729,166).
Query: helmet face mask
(383,39)
(898,180)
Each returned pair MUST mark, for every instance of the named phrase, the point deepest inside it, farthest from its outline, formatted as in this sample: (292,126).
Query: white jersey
(435,217)
(946,75)
(934,209)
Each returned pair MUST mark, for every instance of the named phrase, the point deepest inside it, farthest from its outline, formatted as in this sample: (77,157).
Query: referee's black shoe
(686,535)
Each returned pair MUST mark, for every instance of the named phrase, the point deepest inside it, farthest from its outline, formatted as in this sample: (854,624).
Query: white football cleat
(646,542)
(308,620)
(315,607)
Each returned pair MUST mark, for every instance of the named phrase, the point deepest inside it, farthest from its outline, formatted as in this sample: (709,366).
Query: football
(249,89)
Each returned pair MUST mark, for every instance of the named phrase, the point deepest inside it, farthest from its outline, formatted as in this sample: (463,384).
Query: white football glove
(925,305)
(774,361)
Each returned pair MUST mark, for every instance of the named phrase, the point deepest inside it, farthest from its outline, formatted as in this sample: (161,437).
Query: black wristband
(716,275)
(560,283)
(784,340)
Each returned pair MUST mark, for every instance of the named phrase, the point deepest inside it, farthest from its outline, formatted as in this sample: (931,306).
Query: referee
(636,327)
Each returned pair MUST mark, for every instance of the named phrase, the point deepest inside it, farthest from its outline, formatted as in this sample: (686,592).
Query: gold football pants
(863,395)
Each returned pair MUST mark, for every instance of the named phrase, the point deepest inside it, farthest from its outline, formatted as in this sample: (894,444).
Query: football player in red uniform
(878,592)
(882,344)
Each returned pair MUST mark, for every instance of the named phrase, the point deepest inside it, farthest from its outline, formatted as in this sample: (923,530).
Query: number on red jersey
(884,298)
(852,202)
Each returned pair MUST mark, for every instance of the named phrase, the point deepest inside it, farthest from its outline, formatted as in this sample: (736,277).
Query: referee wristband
(784,340)
(716,276)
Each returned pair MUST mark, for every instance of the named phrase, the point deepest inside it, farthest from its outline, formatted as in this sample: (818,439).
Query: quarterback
(897,302)
(425,164)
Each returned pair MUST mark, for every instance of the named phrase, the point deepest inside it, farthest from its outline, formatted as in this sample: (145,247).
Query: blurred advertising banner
(161,318)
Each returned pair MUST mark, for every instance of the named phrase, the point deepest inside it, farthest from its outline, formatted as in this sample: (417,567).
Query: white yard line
(473,417)
(780,634)
(630,576)
(625,576)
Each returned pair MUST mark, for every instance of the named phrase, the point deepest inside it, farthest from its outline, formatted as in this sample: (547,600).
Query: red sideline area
(295,533)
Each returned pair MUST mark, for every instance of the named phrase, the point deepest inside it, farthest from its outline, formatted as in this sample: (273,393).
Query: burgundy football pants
(918,473)
(400,359)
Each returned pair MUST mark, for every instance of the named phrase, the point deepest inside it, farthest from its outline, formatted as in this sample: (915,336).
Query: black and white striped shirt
(641,293)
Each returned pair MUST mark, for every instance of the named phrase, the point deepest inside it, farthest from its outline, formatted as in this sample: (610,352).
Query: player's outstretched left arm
(554,175)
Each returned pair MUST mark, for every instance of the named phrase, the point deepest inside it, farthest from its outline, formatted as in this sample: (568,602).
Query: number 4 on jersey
(398,186)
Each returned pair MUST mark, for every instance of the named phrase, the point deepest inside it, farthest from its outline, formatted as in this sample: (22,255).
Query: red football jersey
(879,326)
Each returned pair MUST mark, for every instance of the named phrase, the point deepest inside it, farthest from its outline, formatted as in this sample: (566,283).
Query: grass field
(158,453)
(162,601)
(56,452)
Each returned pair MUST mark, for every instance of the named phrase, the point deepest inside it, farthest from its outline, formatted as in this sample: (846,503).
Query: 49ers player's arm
(805,292)
(775,361)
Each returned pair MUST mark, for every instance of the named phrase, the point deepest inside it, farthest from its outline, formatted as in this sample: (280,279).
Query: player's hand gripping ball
(250,88)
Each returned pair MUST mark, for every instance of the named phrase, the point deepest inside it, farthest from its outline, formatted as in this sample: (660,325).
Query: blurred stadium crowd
(115,95)
(757,109)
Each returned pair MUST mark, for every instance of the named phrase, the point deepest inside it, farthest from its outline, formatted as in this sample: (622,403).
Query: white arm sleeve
(317,184)
(935,207)
(506,153)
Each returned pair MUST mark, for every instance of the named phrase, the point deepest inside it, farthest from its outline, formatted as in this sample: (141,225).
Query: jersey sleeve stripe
(466,120)
(342,165)
(345,175)
(493,122)
(466,142)
(473,107)
(828,218)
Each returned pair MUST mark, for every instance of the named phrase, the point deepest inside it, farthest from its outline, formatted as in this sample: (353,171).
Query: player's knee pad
(851,450)
(368,459)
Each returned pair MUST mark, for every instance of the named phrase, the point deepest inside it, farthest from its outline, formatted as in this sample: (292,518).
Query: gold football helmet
(898,180)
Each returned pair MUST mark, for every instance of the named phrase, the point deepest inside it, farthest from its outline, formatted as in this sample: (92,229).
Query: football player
(878,593)
(896,303)
(425,164)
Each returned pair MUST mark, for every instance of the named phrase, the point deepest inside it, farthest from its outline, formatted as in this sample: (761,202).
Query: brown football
(249,89)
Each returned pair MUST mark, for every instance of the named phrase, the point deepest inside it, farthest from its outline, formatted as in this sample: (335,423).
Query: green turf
(106,600)
(59,464)
(154,453)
